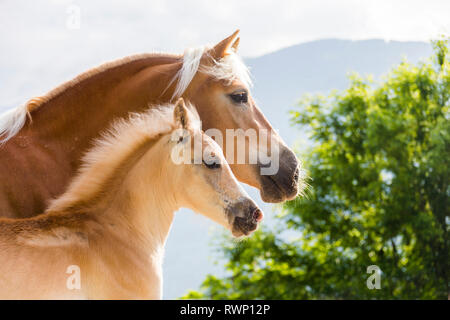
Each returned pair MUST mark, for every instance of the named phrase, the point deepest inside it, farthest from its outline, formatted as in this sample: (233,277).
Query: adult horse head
(218,83)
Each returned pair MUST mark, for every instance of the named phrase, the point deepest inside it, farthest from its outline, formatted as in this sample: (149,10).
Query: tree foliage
(379,168)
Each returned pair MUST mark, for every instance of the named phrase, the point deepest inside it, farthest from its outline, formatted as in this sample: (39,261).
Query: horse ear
(221,49)
(235,44)
(181,114)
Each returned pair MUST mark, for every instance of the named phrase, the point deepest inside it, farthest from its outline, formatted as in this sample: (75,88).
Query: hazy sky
(57,39)
(266,25)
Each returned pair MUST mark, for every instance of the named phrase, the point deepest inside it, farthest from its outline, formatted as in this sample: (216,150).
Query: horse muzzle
(284,185)
(244,217)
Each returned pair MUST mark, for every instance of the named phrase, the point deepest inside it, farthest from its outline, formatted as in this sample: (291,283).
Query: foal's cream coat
(114,219)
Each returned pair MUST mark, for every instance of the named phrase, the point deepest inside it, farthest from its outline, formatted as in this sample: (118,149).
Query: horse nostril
(297,174)
(257,215)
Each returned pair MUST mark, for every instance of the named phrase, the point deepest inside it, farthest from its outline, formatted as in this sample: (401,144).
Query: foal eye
(213,165)
(240,97)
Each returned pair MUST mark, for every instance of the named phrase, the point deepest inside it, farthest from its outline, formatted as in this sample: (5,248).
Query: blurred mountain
(281,77)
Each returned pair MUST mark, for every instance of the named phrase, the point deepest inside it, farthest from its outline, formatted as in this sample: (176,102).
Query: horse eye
(213,165)
(240,97)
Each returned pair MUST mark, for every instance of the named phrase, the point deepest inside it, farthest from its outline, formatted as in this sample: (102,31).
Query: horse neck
(73,117)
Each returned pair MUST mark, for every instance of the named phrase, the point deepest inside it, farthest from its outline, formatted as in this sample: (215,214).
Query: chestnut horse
(43,141)
(112,222)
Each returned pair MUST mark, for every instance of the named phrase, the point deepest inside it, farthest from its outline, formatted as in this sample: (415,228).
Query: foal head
(218,84)
(204,180)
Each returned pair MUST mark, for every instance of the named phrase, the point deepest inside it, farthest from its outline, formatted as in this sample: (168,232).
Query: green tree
(379,169)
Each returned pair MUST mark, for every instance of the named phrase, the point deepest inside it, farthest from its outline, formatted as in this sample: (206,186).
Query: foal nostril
(257,215)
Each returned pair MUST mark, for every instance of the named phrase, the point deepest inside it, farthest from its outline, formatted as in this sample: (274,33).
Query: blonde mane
(113,150)
(229,68)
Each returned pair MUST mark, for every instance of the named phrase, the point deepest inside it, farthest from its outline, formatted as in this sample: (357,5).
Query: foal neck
(126,184)
(145,201)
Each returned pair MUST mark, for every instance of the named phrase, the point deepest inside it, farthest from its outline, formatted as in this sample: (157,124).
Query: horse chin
(280,187)
(240,233)
(270,192)
(237,233)
(243,227)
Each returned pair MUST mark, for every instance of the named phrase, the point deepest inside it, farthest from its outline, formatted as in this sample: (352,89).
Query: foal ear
(235,44)
(221,49)
(181,114)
